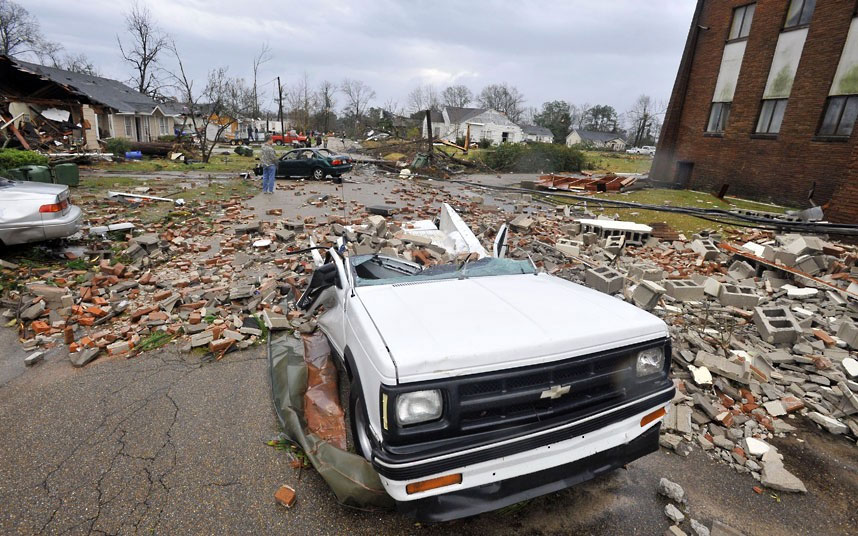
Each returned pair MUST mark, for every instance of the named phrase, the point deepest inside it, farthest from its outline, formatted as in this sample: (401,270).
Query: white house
(600,140)
(537,134)
(484,125)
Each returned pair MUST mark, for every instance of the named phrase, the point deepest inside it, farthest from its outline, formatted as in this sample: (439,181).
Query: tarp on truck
(351,477)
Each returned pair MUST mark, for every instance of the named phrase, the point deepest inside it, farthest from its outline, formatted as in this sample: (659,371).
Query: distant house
(114,110)
(537,134)
(484,124)
(599,140)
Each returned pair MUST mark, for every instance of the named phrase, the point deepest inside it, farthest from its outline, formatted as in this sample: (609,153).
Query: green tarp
(351,477)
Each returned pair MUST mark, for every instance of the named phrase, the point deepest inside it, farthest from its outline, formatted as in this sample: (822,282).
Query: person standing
(268,159)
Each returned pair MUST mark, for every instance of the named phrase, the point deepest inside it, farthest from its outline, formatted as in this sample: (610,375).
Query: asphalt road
(165,444)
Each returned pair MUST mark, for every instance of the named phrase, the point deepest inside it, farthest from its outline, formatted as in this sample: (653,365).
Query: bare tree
(325,104)
(578,114)
(643,120)
(147,41)
(301,99)
(78,63)
(20,33)
(264,56)
(503,98)
(358,96)
(459,96)
(423,97)
(219,103)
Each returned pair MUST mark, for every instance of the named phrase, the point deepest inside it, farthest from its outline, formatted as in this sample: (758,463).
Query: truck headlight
(650,361)
(418,406)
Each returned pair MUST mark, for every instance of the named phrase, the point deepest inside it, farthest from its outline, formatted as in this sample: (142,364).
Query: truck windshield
(380,270)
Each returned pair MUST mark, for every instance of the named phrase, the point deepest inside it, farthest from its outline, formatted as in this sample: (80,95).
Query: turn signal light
(657,414)
(433,483)
(54,207)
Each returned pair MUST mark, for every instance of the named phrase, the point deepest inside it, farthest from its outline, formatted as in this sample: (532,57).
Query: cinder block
(742,297)
(741,270)
(684,290)
(804,245)
(712,287)
(568,247)
(614,244)
(646,294)
(848,332)
(808,264)
(640,272)
(706,249)
(604,279)
(776,325)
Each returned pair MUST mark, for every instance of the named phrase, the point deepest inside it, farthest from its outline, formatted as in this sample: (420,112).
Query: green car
(315,163)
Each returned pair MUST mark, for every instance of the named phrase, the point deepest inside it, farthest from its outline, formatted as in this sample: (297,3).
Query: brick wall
(782,169)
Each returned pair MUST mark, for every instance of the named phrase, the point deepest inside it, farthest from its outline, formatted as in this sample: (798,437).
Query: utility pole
(280,106)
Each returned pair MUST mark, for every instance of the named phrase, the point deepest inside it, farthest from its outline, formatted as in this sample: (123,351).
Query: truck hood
(455,327)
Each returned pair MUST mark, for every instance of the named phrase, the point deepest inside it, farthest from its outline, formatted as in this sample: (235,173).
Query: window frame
(800,24)
(129,126)
(744,9)
(162,126)
(767,133)
(721,119)
(834,135)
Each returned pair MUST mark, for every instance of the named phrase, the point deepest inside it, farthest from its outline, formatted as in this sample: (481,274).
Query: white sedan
(36,211)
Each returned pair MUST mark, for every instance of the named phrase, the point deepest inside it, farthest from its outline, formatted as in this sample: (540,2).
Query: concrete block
(776,325)
(848,332)
(614,244)
(741,297)
(34,358)
(640,272)
(741,270)
(646,294)
(804,245)
(604,279)
(712,287)
(706,249)
(684,290)
(568,247)
(807,264)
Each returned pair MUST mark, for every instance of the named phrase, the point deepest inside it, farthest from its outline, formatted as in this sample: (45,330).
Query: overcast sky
(583,51)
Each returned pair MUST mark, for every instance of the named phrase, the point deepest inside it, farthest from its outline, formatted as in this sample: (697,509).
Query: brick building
(765,100)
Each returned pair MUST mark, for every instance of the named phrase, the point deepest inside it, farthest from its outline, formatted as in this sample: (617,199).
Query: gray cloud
(580,50)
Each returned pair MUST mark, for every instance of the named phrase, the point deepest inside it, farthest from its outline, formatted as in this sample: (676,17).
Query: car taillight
(54,207)
(337,162)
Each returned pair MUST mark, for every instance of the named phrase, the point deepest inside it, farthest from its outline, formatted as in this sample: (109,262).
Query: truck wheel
(318,174)
(359,421)
(278,142)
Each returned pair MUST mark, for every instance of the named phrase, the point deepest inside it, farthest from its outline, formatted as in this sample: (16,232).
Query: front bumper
(472,501)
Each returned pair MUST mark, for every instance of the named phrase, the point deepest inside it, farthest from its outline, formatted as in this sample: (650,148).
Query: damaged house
(610,141)
(483,124)
(88,108)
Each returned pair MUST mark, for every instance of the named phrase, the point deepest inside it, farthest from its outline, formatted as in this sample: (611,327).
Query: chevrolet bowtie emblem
(556,391)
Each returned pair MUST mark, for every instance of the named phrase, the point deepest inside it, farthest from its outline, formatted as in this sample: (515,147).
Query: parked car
(317,163)
(35,211)
(290,138)
(483,383)
(633,150)
(647,149)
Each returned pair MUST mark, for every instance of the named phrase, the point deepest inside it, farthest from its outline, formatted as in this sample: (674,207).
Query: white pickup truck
(483,383)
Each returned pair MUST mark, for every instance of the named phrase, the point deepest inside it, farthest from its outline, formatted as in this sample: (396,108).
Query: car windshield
(371,270)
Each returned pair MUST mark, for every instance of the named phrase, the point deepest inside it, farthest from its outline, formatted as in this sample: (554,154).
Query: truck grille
(580,384)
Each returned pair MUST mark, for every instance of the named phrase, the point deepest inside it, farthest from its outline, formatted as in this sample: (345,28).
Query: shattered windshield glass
(380,270)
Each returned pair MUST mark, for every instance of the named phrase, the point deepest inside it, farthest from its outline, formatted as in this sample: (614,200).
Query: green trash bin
(67,174)
(38,173)
(16,174)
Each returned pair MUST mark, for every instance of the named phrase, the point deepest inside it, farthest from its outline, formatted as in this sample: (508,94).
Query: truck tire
(278,142)
(318,174)
(358,419)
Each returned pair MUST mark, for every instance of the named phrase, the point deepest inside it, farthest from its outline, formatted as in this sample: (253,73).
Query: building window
(742,17)
(839,117)
(799,13)
(771,116)
(719,114)
(129,127)
(162,126)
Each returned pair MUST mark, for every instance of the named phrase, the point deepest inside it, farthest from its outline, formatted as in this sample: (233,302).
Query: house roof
(592,135)
(108,92)
(536,130)
(460,115)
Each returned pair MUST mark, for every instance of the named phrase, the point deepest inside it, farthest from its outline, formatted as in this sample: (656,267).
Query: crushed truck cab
(481,382)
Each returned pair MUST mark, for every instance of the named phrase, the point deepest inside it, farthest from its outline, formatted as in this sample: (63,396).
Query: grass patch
(153,341)
(676,198)
(608,161)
